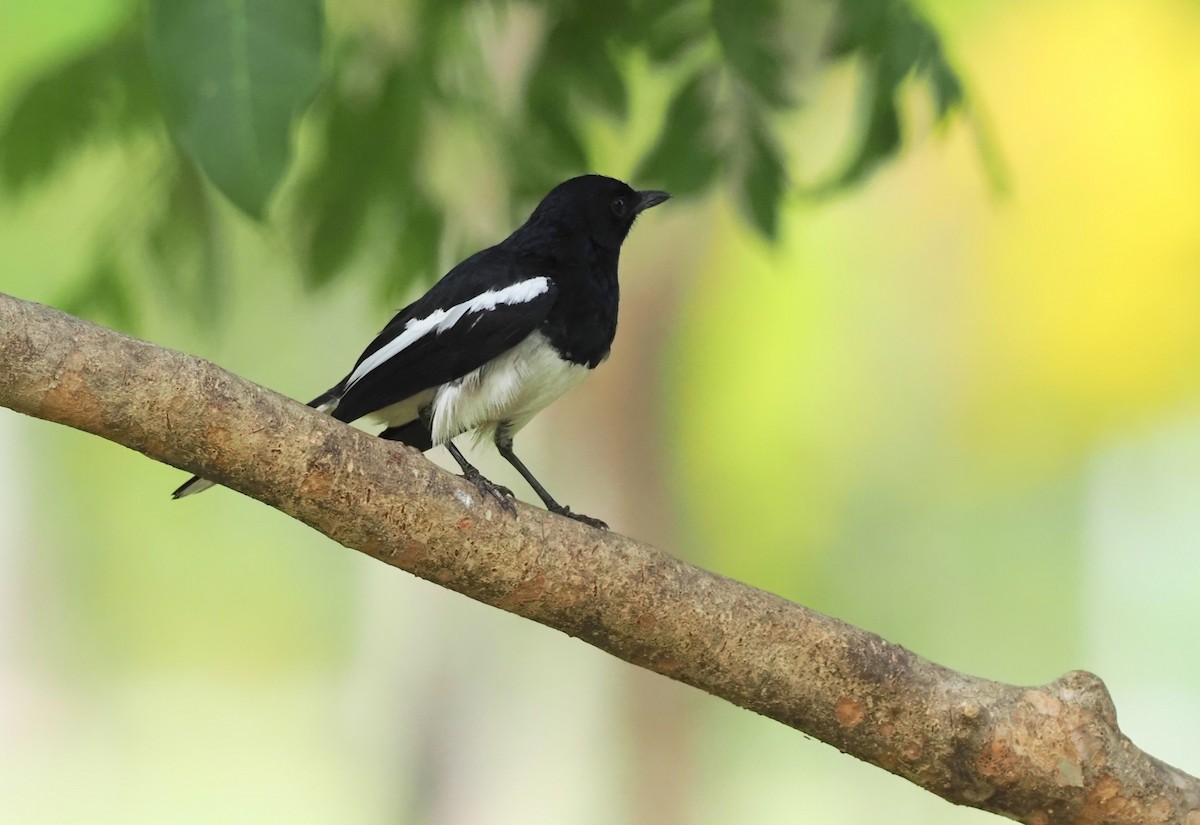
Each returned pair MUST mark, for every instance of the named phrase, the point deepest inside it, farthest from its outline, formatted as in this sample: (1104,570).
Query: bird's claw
(488,488)
(588,520)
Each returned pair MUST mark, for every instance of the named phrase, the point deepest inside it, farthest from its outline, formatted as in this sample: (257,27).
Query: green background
(965,420)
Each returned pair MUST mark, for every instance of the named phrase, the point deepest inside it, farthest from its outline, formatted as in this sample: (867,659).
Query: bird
(499,337)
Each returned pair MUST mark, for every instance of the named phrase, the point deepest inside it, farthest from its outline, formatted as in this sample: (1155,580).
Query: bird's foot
(501,494)
(588,520)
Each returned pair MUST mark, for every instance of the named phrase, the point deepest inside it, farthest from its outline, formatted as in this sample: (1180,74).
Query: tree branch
(1042,755)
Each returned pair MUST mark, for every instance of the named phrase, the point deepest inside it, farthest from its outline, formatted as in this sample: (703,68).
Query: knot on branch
(1088,691)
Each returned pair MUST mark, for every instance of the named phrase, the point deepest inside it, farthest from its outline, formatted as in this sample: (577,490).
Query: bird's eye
(619,207)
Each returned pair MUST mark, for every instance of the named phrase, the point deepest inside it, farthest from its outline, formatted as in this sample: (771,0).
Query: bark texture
(1043,755)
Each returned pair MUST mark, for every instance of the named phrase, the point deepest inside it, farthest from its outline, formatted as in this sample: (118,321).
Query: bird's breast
(509,390)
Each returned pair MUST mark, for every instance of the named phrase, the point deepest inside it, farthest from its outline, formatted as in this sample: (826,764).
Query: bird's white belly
(510,389)
(402,412)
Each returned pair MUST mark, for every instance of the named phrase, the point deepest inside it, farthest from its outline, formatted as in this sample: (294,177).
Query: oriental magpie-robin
(500,336)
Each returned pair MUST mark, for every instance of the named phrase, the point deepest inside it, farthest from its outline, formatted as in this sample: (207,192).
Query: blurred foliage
(232,77)
(102,93)
(895,43)
(375,87)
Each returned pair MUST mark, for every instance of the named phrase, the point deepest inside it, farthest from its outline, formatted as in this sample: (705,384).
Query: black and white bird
(500,336)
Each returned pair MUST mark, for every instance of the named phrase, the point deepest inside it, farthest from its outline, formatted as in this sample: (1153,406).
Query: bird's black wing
(482,308)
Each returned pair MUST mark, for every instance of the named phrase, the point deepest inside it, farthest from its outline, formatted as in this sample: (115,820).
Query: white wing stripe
(441,320)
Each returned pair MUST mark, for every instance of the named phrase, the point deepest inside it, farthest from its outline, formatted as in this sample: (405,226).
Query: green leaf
(948,93)
(880,140)
(860,27)
(605,84)
(668,28)
(181,240)
(750,33)
(233,75)
(686,156)
(554,136)
(372,137)
(101,94)
(103,294)
(333,239)
(575,66)
(576,60)
(764,182)
(546,146)
(417,245)
(913,47)
(895,43)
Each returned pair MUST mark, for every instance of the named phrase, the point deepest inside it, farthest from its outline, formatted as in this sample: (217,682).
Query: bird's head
(602,208)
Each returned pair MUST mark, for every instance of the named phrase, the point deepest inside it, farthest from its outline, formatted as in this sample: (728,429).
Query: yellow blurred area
(1092,273)
(1036,324)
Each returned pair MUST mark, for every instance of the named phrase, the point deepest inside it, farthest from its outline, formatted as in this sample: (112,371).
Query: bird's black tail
(326,402)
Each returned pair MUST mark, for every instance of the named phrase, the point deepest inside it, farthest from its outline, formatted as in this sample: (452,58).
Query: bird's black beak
(648,198)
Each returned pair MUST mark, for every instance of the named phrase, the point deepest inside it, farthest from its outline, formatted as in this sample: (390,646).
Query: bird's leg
(503,495)
(506,450)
